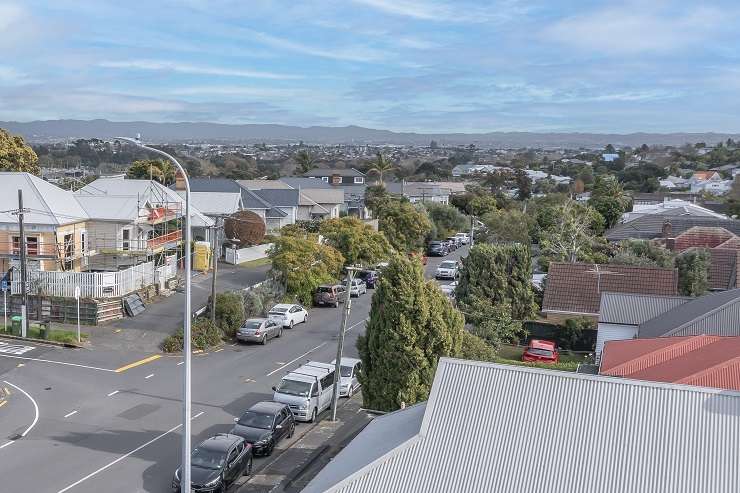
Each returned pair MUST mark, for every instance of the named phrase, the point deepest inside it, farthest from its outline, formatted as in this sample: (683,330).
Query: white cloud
(186,68)
(629,30)
(10,15)
(351,54)
(446,11)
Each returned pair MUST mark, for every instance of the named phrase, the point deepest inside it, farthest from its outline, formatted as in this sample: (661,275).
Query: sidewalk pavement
(292,470)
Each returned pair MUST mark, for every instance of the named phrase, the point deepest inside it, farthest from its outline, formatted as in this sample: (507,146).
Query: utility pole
(22,245)
(216,251)
(340,342)
(472,229)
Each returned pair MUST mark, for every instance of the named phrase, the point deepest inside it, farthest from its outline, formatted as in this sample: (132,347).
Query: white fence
(246,254)
(93,284)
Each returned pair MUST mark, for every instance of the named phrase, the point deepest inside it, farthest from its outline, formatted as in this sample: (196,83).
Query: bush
(475,348)
(229,312)
(257,301)
(203,335)
(572,332)
(693,271)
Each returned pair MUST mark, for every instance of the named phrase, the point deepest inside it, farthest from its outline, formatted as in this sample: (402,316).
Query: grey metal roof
(263,184)
(216,203)
(249,199)
(711,314)
(288,197)
(381,436)
(47,203)
(304,182)
(634,309)
(498,428)
(651,226)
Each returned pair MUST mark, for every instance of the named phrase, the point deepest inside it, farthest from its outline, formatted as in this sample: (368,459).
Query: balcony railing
(162,240)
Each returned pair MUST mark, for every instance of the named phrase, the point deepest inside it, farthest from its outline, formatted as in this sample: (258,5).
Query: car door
(233,466)
(283,423)
(273,328)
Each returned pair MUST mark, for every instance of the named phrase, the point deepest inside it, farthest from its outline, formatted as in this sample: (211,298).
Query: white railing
(92,284)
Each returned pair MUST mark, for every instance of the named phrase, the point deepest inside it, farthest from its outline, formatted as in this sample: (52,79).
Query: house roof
(704,175)
(576,288)
(486,427)
(327,196)
(249,199)
(687,317)
(702,236)
(304,183)
(634,309)
(216,203)
(732,243)
(707,361)
(47,204)
(723,268)
(263,184)
(332,172)
(287,197)
(651,226)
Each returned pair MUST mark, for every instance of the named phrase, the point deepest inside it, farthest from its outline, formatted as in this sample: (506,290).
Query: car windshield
(435,243)
(207,459)
(346,371)
(540,352)
(295,387)
(253,324)
(447,265)
(365,274)
(256,420)
(324,289)
(279,310)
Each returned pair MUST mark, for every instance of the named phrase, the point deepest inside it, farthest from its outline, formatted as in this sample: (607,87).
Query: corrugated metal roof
(715,314)
(47,203)
(249,199)
(498,428)
(634,309)
(215,203)
(288,197)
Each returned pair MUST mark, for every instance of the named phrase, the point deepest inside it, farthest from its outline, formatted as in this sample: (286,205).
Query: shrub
(203,335)
(476,348)
(572,331)
(257,301)
(693,271)
(229,312)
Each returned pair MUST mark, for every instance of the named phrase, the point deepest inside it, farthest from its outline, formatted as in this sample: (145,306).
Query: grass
(569,360)
(56,335)
(256,263)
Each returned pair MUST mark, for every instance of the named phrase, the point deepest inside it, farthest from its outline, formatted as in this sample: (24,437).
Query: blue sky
(408,65)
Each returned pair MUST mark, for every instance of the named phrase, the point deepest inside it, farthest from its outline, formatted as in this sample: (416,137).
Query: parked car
(329,294)
(449,289)
(264,425)
(348,383)
(423,258)
(437,249)
(370,277)
(288,315)
(217,463)
(464,238)
(452,243)
(307,390)
(457,241)
(357,287)
(259,330)
(542,351)
(449,269)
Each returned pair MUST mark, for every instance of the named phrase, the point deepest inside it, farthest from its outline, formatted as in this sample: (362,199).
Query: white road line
(181,363)
(113,393)
(355,325)
(56,362)
(218,350)
(70,414)
(5,445)
(111,464)
(35,408)
(16,349)
(296,359)
(148,376)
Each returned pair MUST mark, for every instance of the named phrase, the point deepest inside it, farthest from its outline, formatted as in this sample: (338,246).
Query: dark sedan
(264,425)
(437,249)
(369,276)
(216,463)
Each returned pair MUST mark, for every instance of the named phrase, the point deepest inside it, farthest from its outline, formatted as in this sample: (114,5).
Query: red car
(541,351)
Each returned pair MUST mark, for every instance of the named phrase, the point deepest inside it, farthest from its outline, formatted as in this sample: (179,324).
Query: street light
(186,398)
(340,342)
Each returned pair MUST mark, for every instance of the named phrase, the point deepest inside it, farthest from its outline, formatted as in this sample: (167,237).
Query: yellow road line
(139,363)
(2,403)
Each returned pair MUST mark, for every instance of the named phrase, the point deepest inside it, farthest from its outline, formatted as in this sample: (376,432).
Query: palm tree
(380,166)
(305,161)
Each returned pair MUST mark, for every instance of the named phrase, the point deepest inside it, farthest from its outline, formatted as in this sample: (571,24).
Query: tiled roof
(576,288)
(707,361)
(702,236)
(732,243)
(723,268)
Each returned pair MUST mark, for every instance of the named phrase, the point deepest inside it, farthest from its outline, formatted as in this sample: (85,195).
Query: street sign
(4,285)
(77,292)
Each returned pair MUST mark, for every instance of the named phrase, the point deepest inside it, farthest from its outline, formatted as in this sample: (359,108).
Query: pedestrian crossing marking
(16,349)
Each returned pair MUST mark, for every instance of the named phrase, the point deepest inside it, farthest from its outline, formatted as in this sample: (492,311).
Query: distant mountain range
(50,130)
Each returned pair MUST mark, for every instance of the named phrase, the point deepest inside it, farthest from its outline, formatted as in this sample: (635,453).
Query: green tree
(305,160)
(571,236)
(693,271)
(476,348)
(492,322)
(405,225)
(482,204)
(609,199)
(642,252)
(733,198)
(358,242)
(412,324)
(508,225)
(156,169)
(447,219)
(302,264)
(523,184)
(16,155)
(501,274)
(229,312)
(381,166)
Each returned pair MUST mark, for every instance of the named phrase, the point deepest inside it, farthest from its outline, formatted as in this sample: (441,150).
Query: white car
(357,287)
(288,315)
(449,289)
(447,270)
(349,383)
(464,238)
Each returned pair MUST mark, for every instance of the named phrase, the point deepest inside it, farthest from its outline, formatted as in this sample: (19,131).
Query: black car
(369,276)
(264,424)
(437,249)
(216,463)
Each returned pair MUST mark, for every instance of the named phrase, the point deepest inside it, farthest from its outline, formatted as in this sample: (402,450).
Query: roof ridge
(662,354)
(29,179)
(694,377)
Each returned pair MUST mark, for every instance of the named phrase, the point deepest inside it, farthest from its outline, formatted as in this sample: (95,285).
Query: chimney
(179,181)
(667,231)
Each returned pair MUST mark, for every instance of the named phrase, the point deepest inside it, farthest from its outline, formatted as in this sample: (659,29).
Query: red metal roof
(707,361)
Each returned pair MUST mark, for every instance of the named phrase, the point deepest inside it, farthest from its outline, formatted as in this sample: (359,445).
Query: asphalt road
(73,423)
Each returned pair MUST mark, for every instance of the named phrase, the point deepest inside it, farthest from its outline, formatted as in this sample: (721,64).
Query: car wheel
(280,332)
(305,318)
(248,471)
(336,304)
(291,324)
(292,431)
(270,449)
(349,392)
(313,416)
(264,340)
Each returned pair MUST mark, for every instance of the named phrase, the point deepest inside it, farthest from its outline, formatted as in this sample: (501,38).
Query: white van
(307,390)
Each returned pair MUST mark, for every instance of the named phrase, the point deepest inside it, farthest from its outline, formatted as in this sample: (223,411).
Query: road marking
(149,376)
(355,325)
(113,393)
(70,414)
(138,363)
(218,350)
(5,445)
(2,403)
(296,359)
(181,363)
(16,349)
(35,408)
(55,362)
(249,380)
(125,456)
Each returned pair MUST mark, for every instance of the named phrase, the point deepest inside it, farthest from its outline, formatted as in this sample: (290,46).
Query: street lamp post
(186,398)
(340,341)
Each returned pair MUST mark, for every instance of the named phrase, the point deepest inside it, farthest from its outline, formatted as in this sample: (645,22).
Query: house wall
(613,332)
(304,213)
(49,244)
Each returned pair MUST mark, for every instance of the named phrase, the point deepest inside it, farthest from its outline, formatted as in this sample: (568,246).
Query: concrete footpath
(292,470)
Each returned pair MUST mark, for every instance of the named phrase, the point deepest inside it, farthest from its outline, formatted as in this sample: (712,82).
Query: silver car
(259,330)
(357,287)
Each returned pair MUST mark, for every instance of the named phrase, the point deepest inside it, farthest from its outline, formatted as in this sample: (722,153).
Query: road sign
(4,285)
(77,292)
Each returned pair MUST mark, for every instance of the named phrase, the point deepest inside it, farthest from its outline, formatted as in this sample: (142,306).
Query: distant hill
(39,131)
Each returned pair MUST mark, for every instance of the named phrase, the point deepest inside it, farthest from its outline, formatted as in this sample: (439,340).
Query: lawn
(56,335)
(256,263)
(512,355)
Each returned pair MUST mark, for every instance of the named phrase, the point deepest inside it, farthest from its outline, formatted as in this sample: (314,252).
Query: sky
(403,65)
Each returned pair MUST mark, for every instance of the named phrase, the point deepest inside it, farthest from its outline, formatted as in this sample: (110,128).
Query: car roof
(541,343)
(221,442)
(283,305)
(347,361)
(269,407)
(256,319)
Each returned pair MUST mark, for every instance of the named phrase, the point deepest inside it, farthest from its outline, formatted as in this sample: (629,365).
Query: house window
(336,180)
(126,239)
(325,179)
(69,251)
(16,245)
(83,242)
(359,180)
(32,245)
